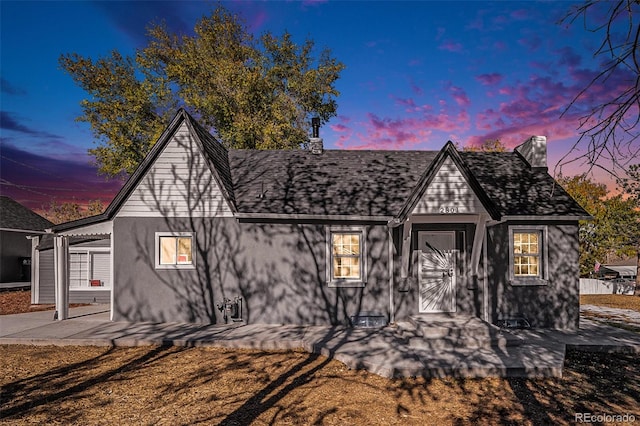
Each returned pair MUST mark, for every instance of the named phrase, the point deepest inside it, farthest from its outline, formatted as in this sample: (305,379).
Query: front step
(446,332)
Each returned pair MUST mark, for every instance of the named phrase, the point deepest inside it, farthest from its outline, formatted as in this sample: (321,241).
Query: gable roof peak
(449,150)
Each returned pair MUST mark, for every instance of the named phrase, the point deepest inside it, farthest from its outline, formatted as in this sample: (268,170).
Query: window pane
(167,250)
(525,265)
(346,267)
(78,270)
(184,250)
(346,244)
(346,255)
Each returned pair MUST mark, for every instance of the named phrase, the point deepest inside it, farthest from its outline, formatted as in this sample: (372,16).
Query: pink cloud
(460,96)
(450,46)
(35,180)
(514,135)
(416,89)
(404,133)
(520,14)
(531,43)
(408,104)
(539,105)
(568,57)
(499,45)
(489,79)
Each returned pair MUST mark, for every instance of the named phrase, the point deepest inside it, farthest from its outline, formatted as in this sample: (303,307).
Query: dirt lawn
(612,301)
(19,302)
(159,385)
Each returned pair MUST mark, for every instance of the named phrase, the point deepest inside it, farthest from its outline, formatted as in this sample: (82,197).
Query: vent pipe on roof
(315,142)
(534,151)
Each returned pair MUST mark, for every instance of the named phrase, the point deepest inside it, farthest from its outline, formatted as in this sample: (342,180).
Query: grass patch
(620,301)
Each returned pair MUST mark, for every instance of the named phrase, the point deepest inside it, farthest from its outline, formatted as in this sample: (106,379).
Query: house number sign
(448,209)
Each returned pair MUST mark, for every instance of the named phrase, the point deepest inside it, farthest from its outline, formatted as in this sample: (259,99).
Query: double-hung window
(174,250)
(527,257)
(346,257)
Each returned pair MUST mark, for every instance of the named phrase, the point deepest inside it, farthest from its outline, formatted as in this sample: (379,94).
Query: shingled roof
(357,183)
(378,183)
(363,184)
(15,216)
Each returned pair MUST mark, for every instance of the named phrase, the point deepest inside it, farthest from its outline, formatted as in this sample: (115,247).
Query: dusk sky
(417,75)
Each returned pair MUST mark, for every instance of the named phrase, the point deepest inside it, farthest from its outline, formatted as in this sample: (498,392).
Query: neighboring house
(327,236)
(626,269)
(17,222)
(89,271)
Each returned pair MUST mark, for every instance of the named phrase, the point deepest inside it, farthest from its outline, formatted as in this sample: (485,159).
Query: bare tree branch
(609,132)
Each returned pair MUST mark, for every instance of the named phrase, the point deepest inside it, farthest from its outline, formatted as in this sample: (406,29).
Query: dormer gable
(447,187)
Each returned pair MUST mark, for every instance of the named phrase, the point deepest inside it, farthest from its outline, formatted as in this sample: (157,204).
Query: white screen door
(437,271)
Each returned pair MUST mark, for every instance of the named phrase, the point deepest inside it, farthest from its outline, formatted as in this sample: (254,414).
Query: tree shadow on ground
(207,385)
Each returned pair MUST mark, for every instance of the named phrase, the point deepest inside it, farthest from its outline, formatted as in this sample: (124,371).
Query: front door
(437,271)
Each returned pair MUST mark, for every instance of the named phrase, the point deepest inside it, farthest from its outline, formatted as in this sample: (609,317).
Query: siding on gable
(448,193)
(178,184)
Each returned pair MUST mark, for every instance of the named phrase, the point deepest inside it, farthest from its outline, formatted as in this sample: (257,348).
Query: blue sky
(417,74)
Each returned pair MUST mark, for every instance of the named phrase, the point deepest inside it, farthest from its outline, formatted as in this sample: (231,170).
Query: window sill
(528,282)
(96,288)
(345,283)
(175,267)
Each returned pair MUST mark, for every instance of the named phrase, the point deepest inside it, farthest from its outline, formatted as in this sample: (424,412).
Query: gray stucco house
(331,236)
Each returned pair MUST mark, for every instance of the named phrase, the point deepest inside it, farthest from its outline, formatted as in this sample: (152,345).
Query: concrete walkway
(385,351)
(615,315)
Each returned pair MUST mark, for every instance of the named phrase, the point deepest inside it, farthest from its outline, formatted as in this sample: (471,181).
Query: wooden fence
(593,286)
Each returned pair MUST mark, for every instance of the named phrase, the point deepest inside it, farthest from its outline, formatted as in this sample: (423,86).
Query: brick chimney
(315,141)
(534,152)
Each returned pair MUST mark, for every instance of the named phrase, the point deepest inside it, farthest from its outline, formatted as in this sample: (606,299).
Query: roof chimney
(534,151)
(315,142)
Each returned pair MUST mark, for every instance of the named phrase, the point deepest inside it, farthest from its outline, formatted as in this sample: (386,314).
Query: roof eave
(216,175)
(547,217)
(315,217)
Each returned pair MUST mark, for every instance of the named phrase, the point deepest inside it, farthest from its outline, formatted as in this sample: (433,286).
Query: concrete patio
(458,347)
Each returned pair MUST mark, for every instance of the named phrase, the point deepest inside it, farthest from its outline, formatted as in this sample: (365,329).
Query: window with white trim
(346,257)
(175,250)
(89,268)
(527,257)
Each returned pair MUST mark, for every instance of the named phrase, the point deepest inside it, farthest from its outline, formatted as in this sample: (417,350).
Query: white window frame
(89,251)
(159,265)
(346,282)
(543,247)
